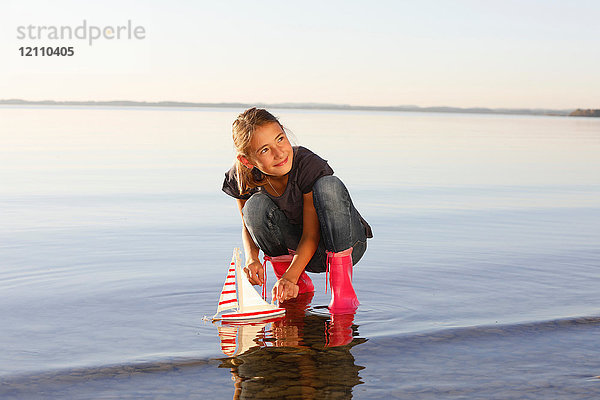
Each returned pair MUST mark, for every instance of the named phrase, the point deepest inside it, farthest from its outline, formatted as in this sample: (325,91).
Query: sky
(498,54)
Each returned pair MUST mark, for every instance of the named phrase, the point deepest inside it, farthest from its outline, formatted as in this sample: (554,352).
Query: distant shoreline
(309,106)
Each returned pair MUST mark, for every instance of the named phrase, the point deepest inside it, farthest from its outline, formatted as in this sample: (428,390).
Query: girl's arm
(254,269)
(286,287)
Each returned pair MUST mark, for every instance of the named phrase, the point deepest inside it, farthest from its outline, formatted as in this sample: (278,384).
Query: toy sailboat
(247,302)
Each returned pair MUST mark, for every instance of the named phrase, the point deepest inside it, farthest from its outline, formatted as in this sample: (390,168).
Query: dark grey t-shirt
(307,167)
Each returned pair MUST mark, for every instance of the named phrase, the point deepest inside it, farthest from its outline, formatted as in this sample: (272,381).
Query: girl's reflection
(302,356)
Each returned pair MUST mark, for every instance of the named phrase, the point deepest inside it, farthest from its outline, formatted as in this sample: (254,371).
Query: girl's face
(271,152)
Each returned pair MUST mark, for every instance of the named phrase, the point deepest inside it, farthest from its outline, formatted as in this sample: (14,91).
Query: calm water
(481,281)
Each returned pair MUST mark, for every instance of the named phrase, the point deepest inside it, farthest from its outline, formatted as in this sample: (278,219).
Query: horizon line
(295,105)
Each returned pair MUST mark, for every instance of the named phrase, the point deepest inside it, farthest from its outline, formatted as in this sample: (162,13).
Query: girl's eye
(263,151)
(280,139)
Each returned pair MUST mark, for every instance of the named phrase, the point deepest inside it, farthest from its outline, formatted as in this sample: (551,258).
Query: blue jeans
(339,221)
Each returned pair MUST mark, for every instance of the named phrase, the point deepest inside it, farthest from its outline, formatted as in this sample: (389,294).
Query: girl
(295,211)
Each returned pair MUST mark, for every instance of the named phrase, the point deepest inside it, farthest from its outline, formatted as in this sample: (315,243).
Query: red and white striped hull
(251,315)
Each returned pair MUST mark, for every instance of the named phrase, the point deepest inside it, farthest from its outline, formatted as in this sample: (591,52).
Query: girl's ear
(245,161)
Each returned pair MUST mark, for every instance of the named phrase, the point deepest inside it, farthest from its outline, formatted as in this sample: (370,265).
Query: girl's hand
(255,273)
(285,290)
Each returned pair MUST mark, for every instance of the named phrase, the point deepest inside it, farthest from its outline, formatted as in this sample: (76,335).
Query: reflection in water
(301,355)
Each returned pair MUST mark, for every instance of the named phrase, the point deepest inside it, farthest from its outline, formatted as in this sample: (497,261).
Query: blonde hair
(243,128)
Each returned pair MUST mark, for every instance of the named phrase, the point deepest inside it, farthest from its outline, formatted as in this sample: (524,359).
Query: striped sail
(228,298)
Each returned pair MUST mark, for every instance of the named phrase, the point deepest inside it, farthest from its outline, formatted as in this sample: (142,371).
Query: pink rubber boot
(343,296)
(282,263)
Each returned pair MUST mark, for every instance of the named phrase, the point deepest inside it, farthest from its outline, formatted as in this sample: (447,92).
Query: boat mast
(238,280)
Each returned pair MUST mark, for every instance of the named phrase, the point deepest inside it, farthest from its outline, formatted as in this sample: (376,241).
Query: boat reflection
(301,355)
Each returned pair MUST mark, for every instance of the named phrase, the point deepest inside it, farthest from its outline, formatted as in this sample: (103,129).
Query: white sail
(249,299)
(228,298)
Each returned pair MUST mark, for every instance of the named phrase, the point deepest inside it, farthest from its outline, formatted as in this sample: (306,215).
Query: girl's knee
(256,207)
(329,189)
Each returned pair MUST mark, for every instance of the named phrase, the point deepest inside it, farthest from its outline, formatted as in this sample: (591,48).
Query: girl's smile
(281,164)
